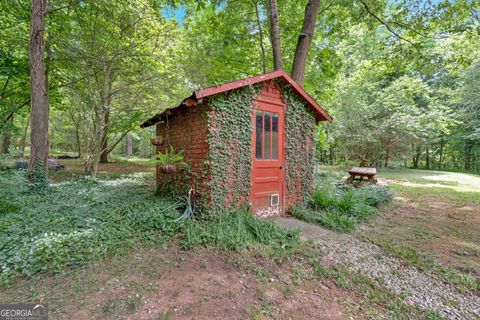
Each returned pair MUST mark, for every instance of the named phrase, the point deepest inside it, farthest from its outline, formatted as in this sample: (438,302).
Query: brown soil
(154,283)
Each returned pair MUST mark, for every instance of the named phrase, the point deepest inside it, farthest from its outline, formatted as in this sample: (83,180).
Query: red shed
(247,143)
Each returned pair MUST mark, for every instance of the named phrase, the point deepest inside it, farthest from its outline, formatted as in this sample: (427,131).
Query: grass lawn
(435,219)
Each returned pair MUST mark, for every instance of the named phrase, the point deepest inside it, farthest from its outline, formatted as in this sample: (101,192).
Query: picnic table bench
(362,174)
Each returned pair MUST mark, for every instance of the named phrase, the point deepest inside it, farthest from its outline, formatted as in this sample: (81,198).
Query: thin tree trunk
(105,151)
(275,36)
(77,135)
(5,141)
(6,137)
(304,41)
(129,145)
(416,156)
(387,156)
(467,155)
(38,91)
(330,153)
(23,142)
(427,157)
(260,33)
(440,161)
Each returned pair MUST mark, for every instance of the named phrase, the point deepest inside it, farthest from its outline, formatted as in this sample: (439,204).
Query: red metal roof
(320,114)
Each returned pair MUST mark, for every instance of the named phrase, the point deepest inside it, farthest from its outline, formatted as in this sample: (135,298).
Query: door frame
(270,105)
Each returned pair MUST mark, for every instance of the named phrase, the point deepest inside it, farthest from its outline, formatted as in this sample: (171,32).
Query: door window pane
(258,134)
(266,136)
(275,136)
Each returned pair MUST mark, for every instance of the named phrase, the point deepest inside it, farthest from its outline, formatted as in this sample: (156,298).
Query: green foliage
(374,195)
(300,130)
(237,230)
(6,162)
(86,219)
(342,207)
(38,179)
(75,222)
(230,157)
(169,157)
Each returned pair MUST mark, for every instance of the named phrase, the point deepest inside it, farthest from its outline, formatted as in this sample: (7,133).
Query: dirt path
(417,287)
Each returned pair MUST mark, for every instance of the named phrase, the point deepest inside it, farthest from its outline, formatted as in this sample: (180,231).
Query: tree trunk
(442,144)
(387,156)
(304,41)
(416,156)
(330,153)
(129,145)
(105,151)
(467,155)
(6,136)
(427,157)
(5,142)
(275,36)
(38,93)
(260,33)
(23,141)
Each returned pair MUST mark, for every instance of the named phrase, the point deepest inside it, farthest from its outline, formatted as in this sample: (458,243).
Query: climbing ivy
(38,179)
(229,137)
(229,163)
(299,157)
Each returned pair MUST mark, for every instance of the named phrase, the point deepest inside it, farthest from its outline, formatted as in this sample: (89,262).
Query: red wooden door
(268,153)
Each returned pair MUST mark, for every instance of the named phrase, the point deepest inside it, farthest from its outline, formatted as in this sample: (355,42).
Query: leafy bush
(237,230)
(375,195)
(339,221)
(341,207)
(6,162)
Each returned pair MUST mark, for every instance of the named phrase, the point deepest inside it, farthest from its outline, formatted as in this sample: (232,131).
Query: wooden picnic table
(362,174)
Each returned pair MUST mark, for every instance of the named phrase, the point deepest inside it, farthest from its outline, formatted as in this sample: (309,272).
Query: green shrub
(306,214)
(341,207)
(375,195)
(338,221)
(6,162)
(236,230)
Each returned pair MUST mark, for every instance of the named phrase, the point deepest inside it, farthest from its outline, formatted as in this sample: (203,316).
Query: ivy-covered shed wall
(299,148)
(215,128)
(230,125)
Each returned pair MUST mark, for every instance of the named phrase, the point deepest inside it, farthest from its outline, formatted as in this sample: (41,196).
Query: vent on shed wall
(274,199)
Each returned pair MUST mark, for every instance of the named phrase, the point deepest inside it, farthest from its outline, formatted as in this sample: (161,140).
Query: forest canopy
(400,78)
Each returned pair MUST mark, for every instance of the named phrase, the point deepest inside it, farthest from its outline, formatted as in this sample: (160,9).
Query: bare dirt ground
(156,283)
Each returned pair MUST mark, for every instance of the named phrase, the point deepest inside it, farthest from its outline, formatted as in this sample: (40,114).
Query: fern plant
(170,157)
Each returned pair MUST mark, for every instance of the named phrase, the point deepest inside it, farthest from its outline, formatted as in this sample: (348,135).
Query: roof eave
(320,113)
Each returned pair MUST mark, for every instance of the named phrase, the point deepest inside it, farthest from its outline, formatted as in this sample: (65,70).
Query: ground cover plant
(342,207)
(73,222)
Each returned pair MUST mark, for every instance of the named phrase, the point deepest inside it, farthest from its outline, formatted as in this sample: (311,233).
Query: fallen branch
(308,292)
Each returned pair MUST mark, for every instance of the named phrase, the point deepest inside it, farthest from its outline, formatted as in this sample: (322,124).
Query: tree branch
(367,8)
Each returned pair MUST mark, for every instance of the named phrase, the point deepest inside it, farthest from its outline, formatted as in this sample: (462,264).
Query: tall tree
(304,41)
(275,36)
(38,92)
(260,36)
